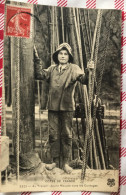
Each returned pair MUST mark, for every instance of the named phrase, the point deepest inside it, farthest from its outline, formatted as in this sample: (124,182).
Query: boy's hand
(90,64)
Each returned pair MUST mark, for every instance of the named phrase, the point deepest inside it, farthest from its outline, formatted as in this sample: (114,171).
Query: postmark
(18,21)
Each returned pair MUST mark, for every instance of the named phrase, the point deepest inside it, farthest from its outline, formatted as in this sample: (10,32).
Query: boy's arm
(83,78)
(40,73)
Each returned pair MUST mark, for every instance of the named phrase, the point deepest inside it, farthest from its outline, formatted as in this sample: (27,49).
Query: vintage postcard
(60,99)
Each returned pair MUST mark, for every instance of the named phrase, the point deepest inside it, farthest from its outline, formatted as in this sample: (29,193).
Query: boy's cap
(60,47)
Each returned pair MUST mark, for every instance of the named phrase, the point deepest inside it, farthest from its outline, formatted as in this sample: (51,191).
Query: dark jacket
(61,85)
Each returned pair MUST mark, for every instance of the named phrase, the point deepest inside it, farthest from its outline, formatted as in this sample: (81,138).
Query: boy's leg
(66,139)
(54,136)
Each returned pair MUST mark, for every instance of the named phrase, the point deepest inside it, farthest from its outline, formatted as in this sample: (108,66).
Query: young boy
(62,79)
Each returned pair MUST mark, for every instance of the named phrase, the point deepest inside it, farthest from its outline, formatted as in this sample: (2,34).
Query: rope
(102,67)
(100,79)
(87,32)
(93,78)
(39,115)
(17,106)
(88,120)
(3,106)
(94,38)
(89,27)
(82,27)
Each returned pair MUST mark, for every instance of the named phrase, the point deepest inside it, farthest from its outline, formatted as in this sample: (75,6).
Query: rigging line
(88,124)
(95,33)
(12,40)
(104,58)
(84,31)
(18,107)
(101,72)
(89,24)
(96,54)
(93,77)
(91,83)
(62,24)
(39,101)
(3,105)
(91,95)
(92,72)
(87,31)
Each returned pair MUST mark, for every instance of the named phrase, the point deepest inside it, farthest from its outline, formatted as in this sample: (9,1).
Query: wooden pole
(26,89)
(57,29)
(27,106)
(77,28)
(53,30)
(62,24)
(100,146)
(15,42)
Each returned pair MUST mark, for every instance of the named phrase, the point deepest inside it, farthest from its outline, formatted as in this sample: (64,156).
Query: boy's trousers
(60,133)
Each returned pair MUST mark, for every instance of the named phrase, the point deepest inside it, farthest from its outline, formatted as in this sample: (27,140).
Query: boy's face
(63,57)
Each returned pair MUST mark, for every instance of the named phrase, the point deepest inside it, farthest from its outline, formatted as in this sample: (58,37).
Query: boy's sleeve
(40,73)
(79,75)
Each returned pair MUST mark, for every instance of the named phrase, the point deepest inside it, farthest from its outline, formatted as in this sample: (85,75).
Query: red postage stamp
(18,21)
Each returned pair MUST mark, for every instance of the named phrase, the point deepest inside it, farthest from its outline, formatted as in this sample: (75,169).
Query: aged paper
(61,99)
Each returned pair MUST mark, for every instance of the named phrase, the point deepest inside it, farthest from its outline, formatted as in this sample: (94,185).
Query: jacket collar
(66,67)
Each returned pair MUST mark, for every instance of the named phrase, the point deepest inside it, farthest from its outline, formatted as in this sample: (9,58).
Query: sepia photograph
(60,99)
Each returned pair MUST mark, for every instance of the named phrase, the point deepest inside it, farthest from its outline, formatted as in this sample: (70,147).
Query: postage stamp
(61,106)
(18,21)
